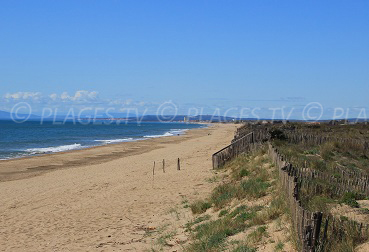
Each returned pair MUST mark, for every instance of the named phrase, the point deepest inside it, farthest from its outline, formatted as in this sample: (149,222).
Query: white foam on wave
(178,131)
(110,141)
(172,132)
(54,149)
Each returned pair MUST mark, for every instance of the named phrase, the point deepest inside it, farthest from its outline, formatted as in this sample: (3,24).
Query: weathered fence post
(178,165)
(163,165)
(317,222)
(215,161)
(307,239)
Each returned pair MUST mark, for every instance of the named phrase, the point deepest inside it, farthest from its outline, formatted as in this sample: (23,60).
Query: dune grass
(250,179)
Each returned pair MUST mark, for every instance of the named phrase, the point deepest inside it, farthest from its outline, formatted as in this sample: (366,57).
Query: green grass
(348,156)
(254,188)
(249,179)
(279,246)
(238,210)
(277,208)
(251,189)
(319,203)
(239,174)
(213,179)
(257,235)
(211,236)
(350,198)
(244,213)
(185,203)
(197,221)
(200,206)
(223,212)
(223,194)
(162,240)
(244,248)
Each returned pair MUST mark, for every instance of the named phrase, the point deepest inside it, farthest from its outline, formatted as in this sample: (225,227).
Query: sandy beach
(104,198)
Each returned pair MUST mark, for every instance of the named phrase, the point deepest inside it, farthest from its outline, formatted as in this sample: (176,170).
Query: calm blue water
(32,138)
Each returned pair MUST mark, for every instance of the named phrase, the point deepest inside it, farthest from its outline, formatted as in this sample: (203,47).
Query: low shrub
(200,206)
(211,236)
(253,188)
(350,198)
(223,194)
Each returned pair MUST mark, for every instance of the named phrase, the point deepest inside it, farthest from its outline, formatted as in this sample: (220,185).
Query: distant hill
(8,116)
(152,118)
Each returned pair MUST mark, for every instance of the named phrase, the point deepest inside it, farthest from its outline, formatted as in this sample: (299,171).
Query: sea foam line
(54,149)
(172,132)
(122,140)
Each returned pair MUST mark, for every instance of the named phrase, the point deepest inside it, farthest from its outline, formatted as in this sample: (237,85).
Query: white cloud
(81,95)
(64,96)
(53,97)
(78,100)
(35,96)
(85,95)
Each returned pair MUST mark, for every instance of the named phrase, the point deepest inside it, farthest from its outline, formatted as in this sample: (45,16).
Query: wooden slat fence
(313,231)
(242,145)
(308,138)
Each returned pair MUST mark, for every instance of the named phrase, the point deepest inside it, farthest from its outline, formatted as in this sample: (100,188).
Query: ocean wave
(54,149)
(172,132)
(110,141)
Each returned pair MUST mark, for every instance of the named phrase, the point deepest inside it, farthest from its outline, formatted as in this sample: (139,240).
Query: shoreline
(47,150)
(34,165)
(111,204)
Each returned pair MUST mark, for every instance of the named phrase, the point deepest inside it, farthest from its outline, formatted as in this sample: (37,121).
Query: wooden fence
(231,151)
(313,231)
(308,138)
(238,146)
(306,224)
(342,183)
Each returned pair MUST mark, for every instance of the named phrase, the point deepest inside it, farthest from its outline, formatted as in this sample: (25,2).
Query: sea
(34,138)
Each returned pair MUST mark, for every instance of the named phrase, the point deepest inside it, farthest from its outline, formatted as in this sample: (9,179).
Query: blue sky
(206,54)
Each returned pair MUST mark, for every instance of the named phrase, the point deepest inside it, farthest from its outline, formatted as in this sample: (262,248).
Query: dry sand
(103,198)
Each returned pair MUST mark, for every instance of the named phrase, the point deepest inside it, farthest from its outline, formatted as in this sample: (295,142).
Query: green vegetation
(251,178)
(257,235)
(213,179)
(223,194)
(328,159)
(200,206)
(185,203)
(244,248)
(254,188)
(211,236)
(223,212)
(162,240)
(350,198)
(238,175)
(277,208)
(279,246)
(197,221)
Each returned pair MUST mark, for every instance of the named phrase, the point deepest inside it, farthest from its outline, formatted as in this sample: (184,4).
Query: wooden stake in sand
(163,165)
(153,174)
(153,170)
(178,165)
